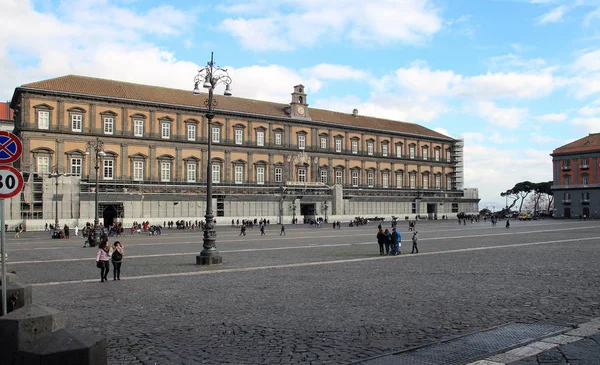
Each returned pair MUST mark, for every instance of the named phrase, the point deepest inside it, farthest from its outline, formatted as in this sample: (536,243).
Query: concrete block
(10,278)
(18,295)
(25,325)
(65,347)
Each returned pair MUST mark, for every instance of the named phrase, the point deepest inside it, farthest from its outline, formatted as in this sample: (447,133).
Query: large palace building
(269,160)
(576,174)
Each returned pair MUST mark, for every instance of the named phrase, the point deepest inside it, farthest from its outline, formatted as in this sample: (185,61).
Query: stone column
(286,168)
(92,119)
(151,121)
(227,167)
(60,155)
(346,142)
(203,163)
(60,116)
(180,133)
(405,148)
(405,176)
(330,141)
(152,162)
(178,162)
(392,176)
(249,138)
(377,148)
(270,170)
(250,167)
(124,122)
(347,173)
(227,128)
(286,135)
(362,144)
(124,159)
(204,132)
(377,176)
(26,157)
(330,176)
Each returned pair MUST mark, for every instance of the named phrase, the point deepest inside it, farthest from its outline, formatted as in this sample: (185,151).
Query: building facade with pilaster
(269,160)
(576,178)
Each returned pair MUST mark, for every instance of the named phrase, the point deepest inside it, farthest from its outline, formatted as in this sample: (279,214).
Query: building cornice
(199,109)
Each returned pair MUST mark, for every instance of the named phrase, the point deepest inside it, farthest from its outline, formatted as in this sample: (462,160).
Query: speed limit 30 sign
(11,182)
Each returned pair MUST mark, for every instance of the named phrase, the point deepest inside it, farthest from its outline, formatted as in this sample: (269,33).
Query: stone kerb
(65,347)
(25,325)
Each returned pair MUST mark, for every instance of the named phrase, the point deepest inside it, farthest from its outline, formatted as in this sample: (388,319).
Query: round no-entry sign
(10,147)
(11,182)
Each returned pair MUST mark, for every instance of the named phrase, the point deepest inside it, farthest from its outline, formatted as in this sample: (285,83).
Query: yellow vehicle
(526,216)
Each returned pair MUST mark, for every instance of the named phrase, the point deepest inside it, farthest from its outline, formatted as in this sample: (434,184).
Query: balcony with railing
(566,201)
(584,167)
(585,201)
(566,167)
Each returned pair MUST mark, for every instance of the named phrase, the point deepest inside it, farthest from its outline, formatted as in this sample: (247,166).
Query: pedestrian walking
(243,231)
(507,223)
(17,232)
(117,260)
(67,231)
(381,239)
(415,240)
(282,232)
(262,229)
(76,230)
(103,260)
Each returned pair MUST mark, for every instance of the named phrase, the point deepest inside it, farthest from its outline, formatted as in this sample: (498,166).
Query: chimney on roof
(355,113)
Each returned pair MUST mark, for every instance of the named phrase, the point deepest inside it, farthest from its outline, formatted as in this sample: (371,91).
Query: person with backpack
(117,260)
(103,260)
(388,241)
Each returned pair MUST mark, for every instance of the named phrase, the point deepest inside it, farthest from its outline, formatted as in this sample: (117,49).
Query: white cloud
(508,85)
(335,72)
(308,22)
(591,110)
(404,108)
(423,81)
(550,118)
(554,15)
(539,138)
(473,137)
(493,169)
(586,79)
(588,125)
(591,17)
(498,138)
(510,118)
(514,62)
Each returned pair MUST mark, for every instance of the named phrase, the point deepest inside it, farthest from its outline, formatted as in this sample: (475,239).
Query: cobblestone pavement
(315,296)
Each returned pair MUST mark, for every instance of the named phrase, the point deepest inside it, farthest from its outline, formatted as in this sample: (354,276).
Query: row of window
(191,134)
(566,164)
(108,173)
(585,196)
(585,179)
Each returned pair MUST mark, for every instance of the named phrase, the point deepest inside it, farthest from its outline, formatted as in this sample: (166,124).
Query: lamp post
(97,147)
(212,76)
(56,173)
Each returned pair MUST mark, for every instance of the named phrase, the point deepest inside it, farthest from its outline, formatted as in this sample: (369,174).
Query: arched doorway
(111,213)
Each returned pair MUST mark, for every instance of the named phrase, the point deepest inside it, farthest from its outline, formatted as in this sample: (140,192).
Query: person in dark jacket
(381,239)
(396,242)
(415,241)
(388,241)
(117,260)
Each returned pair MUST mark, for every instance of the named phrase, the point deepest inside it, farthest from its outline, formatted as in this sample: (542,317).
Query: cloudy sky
(514,78)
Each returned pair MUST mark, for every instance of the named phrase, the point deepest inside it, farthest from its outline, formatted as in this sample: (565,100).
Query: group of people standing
(392,242)
(105,255)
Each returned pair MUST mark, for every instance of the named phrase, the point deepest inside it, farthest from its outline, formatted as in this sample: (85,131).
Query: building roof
(587,143)
(6,113)
(138,92)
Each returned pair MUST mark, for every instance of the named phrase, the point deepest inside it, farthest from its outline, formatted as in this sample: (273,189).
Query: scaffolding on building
(457,153)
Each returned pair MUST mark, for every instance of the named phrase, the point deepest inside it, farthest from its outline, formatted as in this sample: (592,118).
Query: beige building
(270,160)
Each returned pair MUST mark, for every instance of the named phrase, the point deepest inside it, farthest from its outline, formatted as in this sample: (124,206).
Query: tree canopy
(522,189)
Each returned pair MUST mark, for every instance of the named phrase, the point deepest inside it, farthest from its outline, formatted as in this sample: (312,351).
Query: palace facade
(269,160)
(576,178)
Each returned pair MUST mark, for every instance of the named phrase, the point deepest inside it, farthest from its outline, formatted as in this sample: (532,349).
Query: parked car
(526,216)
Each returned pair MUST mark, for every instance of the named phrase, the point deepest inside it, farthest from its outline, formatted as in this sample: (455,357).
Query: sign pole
(3,253)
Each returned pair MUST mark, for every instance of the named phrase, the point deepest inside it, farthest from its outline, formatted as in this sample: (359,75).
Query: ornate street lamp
(56,173)
(211,76)
(97,147)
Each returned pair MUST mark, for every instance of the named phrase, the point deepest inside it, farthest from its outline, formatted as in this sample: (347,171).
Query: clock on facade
(300,110)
